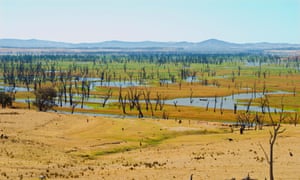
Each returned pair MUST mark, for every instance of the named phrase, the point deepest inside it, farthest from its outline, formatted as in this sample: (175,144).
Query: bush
(45,98)
(5,100)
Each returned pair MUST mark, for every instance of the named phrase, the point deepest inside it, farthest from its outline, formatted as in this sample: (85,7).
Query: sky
(238,21)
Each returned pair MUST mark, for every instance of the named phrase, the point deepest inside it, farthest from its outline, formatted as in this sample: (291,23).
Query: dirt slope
(78,147)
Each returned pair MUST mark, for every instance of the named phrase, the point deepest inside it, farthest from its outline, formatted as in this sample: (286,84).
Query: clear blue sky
(156,20)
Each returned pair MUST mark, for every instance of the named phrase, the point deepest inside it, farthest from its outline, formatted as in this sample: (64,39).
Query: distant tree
(45,98)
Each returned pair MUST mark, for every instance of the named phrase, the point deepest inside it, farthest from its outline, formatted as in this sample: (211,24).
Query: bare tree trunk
(138,105)
(108,95)
(70,94)
(271,161)
(28,101)
(191,96)
(215,106)
(276,130)
(73,107)
(157,101)
(207,105)
(221,106)
(122,101)
(249,105)
(235,108)
(82,99)
(65,91)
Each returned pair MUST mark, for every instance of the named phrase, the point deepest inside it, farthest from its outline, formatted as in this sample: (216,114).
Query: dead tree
(73,107)
(28,102)
(70,94)
(221,106)
(138,106)
(254,90)
(245,119)
(274,132)
(130,95)
(65,90)
(157,100)
(233,77)
(60,95)
(162,103)
(134,101)
(191,96)
(215,106)
(249,105)
(165,115)
(263,104)
(122,101)
(294,120)
(148,101)
(259,121)
(180,84)
(106,97)
(264,88)
(83,92)
(175,104)
(235,108)
(207,105)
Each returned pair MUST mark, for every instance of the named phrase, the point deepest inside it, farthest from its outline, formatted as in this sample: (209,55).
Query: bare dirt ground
(56,146)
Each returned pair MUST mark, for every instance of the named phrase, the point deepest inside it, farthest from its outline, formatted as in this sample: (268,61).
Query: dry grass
(81,147)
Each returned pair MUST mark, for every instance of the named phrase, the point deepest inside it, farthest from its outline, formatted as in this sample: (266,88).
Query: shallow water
(226,102)
(191,79)
(116,84)
(94,82)
(254,64)
(14,89)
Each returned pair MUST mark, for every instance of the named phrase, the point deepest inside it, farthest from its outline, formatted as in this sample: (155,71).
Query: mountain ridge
(209,45)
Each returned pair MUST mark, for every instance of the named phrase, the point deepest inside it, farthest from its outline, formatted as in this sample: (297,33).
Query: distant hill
(32,43)
(208,46)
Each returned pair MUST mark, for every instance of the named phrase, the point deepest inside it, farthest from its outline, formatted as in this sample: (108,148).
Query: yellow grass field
(57,146)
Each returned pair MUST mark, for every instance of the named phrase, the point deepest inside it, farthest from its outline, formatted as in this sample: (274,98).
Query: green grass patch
(154,141)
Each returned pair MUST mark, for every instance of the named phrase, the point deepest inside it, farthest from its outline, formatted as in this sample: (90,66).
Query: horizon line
(130,41)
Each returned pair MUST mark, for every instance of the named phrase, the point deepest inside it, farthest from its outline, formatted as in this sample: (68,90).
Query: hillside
(57,146)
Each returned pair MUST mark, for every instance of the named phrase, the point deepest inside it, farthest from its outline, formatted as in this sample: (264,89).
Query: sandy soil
(35,144)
